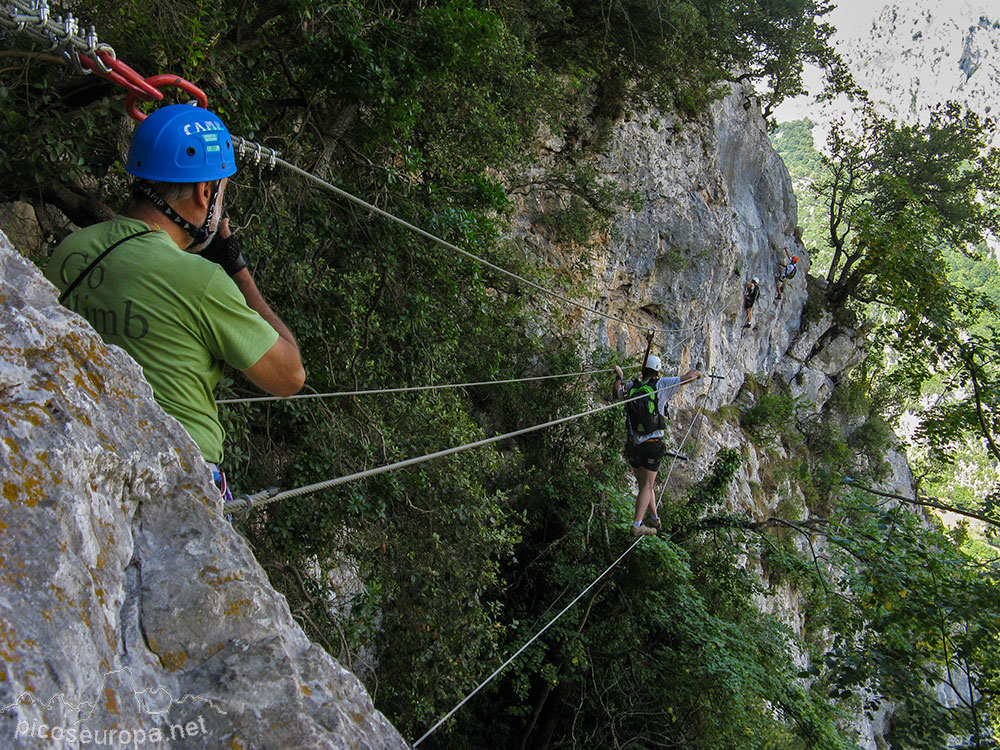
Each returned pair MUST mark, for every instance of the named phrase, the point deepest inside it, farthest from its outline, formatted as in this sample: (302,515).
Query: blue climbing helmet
(181,143)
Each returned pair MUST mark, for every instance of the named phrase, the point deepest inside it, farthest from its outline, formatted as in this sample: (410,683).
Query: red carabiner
(164,79)
(118,72)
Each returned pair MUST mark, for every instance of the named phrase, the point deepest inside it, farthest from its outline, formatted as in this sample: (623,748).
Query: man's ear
(202,194)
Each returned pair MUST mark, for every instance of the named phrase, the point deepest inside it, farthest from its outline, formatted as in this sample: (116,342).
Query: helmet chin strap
(200,236)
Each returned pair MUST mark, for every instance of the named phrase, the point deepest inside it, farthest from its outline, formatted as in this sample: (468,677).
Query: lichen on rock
(130,608)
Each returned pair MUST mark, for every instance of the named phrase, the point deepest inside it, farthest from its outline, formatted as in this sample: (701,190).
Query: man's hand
(616,389)
(224,249)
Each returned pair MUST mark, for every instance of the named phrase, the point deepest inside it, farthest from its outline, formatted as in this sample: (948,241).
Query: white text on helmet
(201,127)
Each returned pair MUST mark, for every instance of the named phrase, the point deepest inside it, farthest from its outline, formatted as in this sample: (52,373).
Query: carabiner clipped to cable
(164,79)
(106,65)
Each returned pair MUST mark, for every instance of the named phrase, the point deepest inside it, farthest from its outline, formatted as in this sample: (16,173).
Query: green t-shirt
(179,316)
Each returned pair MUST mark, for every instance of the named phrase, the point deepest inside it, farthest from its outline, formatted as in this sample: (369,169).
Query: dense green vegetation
(429,109)
(899,217)
(794,143)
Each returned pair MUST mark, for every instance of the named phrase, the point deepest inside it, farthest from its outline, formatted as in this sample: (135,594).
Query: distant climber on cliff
(645,422)
(166,281)
(751,291)
(786,272)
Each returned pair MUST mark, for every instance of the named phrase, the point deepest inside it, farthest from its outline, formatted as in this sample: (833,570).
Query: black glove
(226,252)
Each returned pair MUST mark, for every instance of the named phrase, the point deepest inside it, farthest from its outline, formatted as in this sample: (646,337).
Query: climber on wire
(751,291)
(786,272)
(167,282)
(645,422)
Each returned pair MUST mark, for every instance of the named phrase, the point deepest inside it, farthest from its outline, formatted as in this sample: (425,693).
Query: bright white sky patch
(852,19)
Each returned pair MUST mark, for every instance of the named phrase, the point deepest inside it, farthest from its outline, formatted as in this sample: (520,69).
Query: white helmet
(756,280)
(653,363)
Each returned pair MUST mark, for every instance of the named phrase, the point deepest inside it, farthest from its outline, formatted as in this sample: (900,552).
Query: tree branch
(979,408)
(82,209)
(39,56)
(926,502)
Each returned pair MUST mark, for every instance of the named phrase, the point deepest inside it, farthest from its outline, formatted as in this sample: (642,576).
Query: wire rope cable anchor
(29,18)
(69,29)
(241,507)
(255,150)
(41,10)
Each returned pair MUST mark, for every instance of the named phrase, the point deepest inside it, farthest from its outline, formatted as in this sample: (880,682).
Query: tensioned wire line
(411,388)
(266,498)
(521,650)
(698,412)
(246,503)
(680,445)
(455,248)
(259,151)
(565,609)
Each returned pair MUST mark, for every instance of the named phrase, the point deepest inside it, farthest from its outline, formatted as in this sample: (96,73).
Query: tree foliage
(908,210)
(905,207)
(898,196)
(421,581)
(916,627)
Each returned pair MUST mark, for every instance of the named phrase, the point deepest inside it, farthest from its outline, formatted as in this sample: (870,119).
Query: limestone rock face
(130,610)
(917,54)
(716,209)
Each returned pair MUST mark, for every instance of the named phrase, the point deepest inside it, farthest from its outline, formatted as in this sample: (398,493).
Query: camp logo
(202,127)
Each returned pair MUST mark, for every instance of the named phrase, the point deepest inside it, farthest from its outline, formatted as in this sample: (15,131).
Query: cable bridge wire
(521,650)
(409,389)
(243,505)
(248,502)
(68,33)
(698,413)
(565,609)
(454,248)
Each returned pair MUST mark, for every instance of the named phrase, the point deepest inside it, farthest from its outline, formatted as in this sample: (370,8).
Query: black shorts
(645,455)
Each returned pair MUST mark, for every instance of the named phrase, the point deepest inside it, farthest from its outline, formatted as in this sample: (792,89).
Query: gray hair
(169,191)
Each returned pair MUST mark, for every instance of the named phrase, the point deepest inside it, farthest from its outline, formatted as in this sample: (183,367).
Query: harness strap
(198,234)
(86,271)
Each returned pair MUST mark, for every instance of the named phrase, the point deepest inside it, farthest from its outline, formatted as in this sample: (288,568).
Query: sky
(853,16)
(850,18)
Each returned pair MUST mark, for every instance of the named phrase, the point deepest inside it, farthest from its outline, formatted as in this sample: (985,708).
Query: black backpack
(641,415)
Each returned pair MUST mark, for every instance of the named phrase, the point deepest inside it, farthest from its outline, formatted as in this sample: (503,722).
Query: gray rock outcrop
(716,209)
(129,603)
(131,611)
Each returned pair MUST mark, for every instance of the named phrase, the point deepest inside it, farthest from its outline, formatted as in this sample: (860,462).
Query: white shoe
(638,531)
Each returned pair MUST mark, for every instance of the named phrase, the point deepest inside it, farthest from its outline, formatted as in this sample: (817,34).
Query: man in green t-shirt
(167,282)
